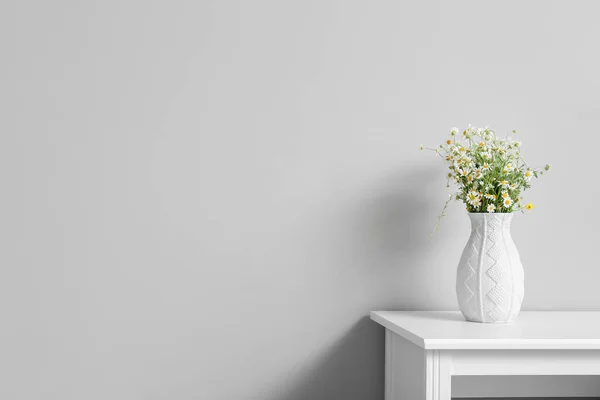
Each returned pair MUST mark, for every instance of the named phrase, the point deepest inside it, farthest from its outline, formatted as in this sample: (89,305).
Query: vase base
(490,322)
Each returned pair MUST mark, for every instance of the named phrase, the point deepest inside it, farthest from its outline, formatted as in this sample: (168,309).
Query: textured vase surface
(490,278)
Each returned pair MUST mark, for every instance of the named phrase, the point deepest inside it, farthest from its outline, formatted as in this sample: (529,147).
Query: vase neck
(491,220)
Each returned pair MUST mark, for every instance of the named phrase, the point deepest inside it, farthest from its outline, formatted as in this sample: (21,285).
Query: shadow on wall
(395,234)
(387,232)
(351,369)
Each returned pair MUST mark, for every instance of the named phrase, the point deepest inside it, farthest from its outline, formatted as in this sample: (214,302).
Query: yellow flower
(448,141)
(529,206)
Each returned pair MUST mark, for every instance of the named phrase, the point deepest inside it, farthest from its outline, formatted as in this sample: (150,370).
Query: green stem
(442,215)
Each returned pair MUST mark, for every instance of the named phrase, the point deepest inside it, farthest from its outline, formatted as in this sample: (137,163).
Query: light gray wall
(204,200)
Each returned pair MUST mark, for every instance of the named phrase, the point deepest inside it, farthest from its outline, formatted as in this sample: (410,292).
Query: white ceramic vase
(490,278)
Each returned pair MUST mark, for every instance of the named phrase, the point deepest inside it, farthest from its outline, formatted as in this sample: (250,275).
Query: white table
(424,349)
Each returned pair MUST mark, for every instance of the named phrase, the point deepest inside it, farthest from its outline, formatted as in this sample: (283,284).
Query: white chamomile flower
(505,195)
(528,174)
(481,144)
(504,183)
(491,208)
(507,202)
(454,131)
(478,174)
(513,186)
(473,198)
(490,196)
(485,167)
(487,155)
(508,167)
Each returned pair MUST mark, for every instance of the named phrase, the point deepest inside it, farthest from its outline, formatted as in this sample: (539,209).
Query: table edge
(486,344)
(419,341)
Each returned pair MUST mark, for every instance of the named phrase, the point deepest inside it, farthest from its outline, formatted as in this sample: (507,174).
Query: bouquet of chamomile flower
(488,171)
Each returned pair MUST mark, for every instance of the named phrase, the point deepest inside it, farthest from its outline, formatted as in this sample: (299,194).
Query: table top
(535,330)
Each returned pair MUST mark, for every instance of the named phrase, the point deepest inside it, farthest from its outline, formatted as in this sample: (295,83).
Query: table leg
(438,375)
(412,373)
